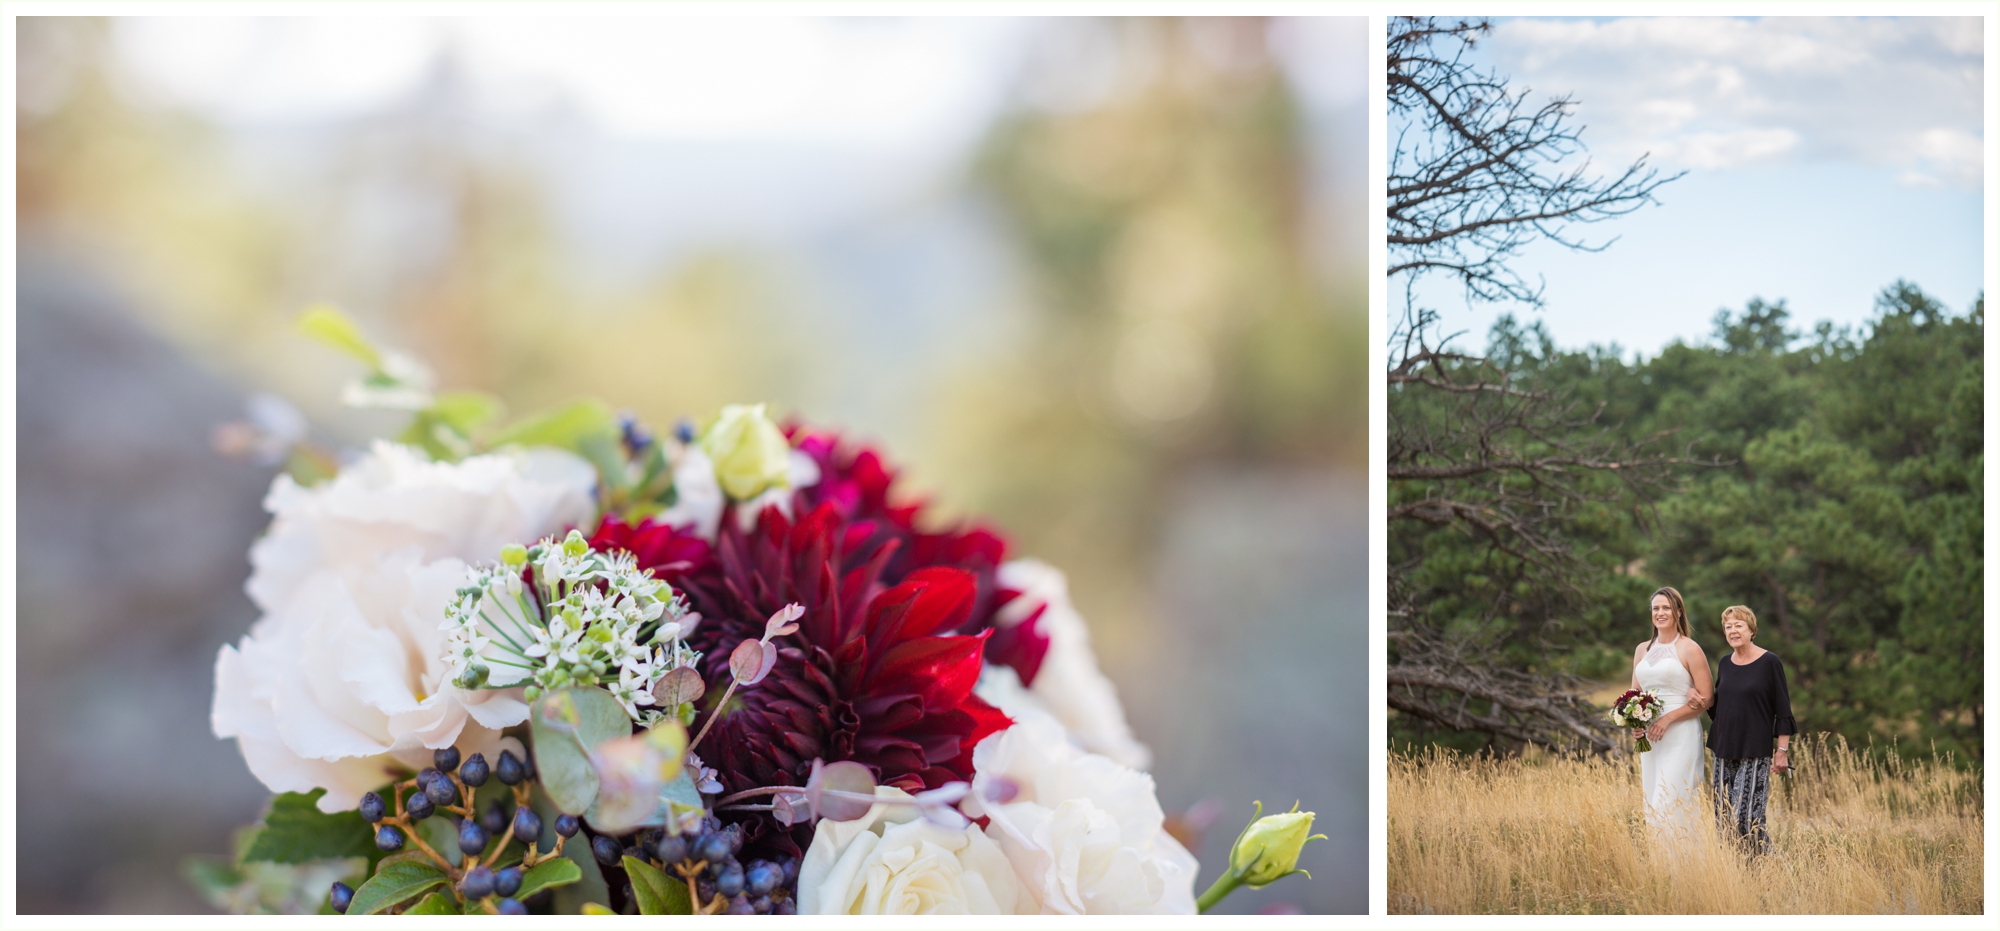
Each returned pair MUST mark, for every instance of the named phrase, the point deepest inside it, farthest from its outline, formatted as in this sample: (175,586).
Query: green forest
(1829,479)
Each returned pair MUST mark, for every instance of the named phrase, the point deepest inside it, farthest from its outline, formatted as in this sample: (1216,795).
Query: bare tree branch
(1477,173)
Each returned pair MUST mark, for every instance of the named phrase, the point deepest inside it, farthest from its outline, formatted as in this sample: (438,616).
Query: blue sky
(1825,159)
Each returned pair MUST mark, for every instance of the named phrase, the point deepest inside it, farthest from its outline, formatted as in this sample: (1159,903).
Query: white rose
(340,681)
(1083,832)
(1069,684)
(893,862)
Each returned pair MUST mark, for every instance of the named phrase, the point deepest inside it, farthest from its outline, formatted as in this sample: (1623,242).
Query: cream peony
(341,680)
(1069,685)
(1083,833)
(893,862)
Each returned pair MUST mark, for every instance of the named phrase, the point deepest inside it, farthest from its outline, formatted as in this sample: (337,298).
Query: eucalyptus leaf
(296,831)
(680,685)
(658,894)
(631,771)
(437,903)
(682,791)
(548,874)
(398,878)
(566,723)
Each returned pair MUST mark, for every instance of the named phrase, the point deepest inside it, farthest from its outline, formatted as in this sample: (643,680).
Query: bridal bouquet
(1636,709)
(566,665)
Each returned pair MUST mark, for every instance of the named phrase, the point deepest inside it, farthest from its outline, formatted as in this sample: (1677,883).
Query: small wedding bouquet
(1636,709)
(565,665)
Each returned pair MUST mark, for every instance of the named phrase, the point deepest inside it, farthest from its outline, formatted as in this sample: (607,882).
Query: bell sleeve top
(1752,708)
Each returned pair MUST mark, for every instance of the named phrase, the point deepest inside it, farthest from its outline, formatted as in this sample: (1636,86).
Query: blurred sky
(1825,157)
(678,132)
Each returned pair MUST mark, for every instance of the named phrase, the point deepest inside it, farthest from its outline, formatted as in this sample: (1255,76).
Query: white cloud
(1901,93)
(1714,150)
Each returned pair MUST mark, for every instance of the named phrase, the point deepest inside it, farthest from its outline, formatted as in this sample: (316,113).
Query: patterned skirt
(1742,787)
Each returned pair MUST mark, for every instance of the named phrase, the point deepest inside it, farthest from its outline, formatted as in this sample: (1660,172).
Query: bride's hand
(1656,731)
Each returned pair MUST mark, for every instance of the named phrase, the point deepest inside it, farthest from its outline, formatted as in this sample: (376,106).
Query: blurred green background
(1101,281)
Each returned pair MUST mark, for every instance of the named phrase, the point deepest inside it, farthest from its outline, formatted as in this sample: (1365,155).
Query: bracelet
(1785,750)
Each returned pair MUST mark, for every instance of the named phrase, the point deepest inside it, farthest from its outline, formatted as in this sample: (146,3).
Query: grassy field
(1550,834)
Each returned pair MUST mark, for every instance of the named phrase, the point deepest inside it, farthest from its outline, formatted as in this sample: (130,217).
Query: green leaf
(465,411)
(443,838)
(592,908)
(566,428)
(548,874)
(296,831)
(325,322)
(437,903)
(591,888)
(604,451)
(399,878)
(657,893)
(565,723)
(211,875)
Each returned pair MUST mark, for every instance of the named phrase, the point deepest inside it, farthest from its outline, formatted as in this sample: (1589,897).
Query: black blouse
(1752,707)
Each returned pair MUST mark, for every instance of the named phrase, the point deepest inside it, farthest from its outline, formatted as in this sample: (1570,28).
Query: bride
(1677,670)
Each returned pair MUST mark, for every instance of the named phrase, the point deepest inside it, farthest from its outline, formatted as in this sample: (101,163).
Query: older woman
(1752,707)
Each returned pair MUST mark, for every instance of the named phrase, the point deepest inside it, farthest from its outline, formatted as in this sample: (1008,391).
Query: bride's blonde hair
(1680,610)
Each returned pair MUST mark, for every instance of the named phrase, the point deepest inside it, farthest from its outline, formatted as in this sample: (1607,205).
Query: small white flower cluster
(593,614)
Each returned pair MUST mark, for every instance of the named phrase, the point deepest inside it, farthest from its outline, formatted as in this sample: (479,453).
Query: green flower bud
(574,545)
(532,692)
(1268,850)
(473,677)
(750,453)
(514,554)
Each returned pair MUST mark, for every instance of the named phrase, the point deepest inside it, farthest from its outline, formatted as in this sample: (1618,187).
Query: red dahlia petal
(1021,646)
(942,670)
(943,600)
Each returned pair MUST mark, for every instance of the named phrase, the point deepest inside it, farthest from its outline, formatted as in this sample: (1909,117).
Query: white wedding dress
(1671,771)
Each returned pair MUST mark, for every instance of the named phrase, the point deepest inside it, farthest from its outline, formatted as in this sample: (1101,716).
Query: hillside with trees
(1830,480)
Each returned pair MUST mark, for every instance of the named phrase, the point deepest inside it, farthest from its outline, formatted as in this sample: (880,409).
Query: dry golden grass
(1549,834)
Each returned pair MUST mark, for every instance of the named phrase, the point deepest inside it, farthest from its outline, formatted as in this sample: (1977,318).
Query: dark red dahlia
(858,483)
(877,673)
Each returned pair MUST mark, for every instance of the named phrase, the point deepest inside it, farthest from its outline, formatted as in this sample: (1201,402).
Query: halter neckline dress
(1670,772)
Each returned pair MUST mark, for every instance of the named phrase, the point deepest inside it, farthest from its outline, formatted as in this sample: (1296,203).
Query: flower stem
(751,793)
(719,705)
(1223,886)
(418,839)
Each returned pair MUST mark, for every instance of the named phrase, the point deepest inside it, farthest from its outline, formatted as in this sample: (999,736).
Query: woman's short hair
(1741,613)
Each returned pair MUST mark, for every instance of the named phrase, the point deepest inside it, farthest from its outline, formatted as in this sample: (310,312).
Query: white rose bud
(749,452)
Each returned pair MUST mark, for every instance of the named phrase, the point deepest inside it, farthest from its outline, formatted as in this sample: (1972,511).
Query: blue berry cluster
(708,856)
(482,836)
